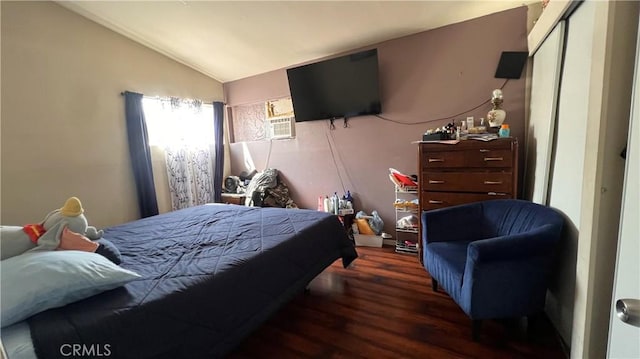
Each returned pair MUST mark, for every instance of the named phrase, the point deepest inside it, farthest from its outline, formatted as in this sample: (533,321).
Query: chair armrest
(453,224)
(537,242)
(507,276)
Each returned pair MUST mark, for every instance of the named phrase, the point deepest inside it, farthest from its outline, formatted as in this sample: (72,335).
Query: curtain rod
(160,97)
(169,97)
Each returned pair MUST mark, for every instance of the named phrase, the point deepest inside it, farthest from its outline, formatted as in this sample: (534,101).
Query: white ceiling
(230,40)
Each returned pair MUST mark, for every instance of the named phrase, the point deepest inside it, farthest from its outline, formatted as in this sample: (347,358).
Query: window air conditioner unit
(282,127)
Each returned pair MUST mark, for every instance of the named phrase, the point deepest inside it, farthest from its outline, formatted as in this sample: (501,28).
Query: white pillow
(36,281)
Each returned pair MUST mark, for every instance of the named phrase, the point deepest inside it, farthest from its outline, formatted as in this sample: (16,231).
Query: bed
(209,276)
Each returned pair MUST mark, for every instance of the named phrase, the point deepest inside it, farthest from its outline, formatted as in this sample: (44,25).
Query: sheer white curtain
(184,128)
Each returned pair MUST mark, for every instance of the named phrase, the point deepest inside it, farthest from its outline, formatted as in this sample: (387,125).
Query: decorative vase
(497,115)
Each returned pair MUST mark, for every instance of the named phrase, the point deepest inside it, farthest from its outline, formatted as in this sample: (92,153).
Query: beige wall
(63,125)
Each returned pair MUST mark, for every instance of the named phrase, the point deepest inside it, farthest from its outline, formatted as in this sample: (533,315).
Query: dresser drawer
(487,158)
(434,200)
(471,158)
(443,159)
(483,182)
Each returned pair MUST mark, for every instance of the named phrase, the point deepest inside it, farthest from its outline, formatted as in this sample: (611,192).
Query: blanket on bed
(210,275)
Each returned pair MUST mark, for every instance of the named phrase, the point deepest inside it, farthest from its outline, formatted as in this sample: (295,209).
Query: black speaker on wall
(511,64)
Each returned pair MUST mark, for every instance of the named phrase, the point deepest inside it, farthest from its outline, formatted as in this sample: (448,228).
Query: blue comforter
(210,275)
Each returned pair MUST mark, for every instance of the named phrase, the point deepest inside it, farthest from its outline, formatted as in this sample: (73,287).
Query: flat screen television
(345,87)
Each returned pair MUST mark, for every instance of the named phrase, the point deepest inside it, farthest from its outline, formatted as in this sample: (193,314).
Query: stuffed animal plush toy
(47,235)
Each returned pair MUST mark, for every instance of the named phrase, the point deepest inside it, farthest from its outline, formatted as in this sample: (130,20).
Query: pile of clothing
(267,189)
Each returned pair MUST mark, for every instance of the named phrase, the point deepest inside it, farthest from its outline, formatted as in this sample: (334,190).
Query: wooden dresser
(469,171)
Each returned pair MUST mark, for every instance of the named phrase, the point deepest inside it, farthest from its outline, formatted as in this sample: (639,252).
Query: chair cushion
(445,261)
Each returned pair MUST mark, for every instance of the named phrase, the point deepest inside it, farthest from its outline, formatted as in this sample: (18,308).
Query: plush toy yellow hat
(72,207)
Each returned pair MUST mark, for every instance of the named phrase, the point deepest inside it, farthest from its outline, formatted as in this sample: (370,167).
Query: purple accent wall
(429,76)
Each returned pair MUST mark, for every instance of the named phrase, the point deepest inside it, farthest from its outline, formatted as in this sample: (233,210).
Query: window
(178,123)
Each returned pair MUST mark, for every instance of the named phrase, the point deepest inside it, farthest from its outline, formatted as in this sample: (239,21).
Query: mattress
(210,275)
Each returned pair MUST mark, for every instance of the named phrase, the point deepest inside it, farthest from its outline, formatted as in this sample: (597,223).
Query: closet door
(542,114)
(567,163)
(623,336)
(588,173)
(573,109)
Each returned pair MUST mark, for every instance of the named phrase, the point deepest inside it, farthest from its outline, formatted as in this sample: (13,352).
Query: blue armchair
(493,258)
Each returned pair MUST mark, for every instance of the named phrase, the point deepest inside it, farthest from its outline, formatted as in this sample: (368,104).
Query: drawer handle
(435,182)
(493,159)
(483,150)
(492,182)
(496,194)
(436,160)
(433,201)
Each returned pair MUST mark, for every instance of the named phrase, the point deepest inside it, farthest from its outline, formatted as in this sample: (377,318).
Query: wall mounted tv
(345,87)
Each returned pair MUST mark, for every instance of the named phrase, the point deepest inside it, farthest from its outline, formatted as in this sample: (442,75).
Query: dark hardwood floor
(382,306)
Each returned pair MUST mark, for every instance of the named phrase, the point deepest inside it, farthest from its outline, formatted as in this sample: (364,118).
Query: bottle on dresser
(504,130)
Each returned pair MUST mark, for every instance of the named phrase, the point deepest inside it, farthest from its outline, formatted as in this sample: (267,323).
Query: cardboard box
(368,240)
